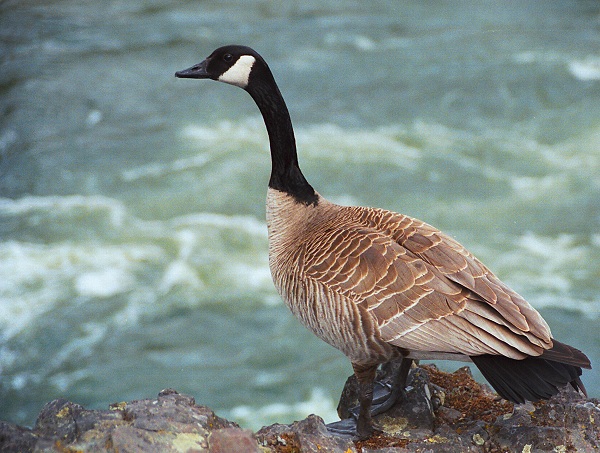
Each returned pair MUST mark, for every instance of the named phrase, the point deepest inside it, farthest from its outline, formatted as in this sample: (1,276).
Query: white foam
(586,69)
(530,56)
(103,283)
(161,169)
(94,117)
(252,276)
(256,417)
(546,270)
(354,146)
(228,133)
(557,250)
(385,145)
(180,273)
(197,255)
(35,278)
(531,188)
(248,224)
(364,43)
(61,205)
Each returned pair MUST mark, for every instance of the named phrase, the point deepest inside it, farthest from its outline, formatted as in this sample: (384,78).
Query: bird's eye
(227,57)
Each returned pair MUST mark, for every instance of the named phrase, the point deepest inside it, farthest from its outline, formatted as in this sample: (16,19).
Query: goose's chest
(287,237)
(291,225)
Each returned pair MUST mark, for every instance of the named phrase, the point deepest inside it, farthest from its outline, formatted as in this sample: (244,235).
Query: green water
(133,250)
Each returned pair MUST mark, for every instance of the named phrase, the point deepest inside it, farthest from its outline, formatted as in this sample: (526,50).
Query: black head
(244,67)
(230,64)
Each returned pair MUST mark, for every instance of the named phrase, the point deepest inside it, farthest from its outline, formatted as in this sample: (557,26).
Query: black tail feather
(531,379)
(563,353)
(578,386)
(534,378)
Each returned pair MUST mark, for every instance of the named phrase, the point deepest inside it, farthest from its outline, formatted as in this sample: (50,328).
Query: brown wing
(460,266)
(426,291)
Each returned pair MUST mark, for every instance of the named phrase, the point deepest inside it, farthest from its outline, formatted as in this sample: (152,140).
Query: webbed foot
(377,396)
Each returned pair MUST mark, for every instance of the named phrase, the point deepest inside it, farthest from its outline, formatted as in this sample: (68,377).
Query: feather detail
(424,291)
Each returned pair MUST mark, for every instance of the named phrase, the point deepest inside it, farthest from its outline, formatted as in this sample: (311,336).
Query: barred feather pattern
(376,284)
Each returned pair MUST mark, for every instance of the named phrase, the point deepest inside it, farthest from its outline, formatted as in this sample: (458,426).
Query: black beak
(198,71)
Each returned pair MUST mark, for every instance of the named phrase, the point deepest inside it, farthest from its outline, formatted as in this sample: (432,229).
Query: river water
(133,247)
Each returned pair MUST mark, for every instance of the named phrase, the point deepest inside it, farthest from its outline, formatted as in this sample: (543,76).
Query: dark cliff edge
(443,412)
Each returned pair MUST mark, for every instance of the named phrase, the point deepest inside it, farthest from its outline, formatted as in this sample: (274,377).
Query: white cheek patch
(239,73)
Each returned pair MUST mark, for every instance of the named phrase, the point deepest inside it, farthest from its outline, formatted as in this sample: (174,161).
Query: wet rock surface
(442,412)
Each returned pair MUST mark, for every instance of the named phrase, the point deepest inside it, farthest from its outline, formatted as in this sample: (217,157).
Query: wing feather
(425,291)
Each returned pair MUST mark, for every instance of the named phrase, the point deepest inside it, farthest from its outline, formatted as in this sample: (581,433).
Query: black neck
(285,172)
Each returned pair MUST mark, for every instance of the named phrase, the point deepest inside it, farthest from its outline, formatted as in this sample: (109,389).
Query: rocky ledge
(442,412)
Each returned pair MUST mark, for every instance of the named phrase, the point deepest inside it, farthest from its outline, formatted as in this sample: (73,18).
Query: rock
(16,438)
(444,412)
(227,440)
(309,435)
(563,423)
(416,409)
(57,420)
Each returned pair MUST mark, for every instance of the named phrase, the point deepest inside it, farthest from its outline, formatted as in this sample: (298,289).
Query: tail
(534,378)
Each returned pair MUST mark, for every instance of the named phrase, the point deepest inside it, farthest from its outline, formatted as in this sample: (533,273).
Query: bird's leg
(365,375)
(397,384)
(373,397)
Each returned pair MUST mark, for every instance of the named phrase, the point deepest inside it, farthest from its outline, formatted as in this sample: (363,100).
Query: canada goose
(382,286)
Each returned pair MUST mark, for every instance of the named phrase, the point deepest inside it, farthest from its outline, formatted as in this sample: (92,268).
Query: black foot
(349,427)
(384,397)
(387,391)
(346,427)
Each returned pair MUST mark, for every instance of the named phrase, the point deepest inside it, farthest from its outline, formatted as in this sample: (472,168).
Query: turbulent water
(133,248)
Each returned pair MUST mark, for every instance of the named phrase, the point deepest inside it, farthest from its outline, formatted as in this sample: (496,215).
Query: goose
(382,286)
